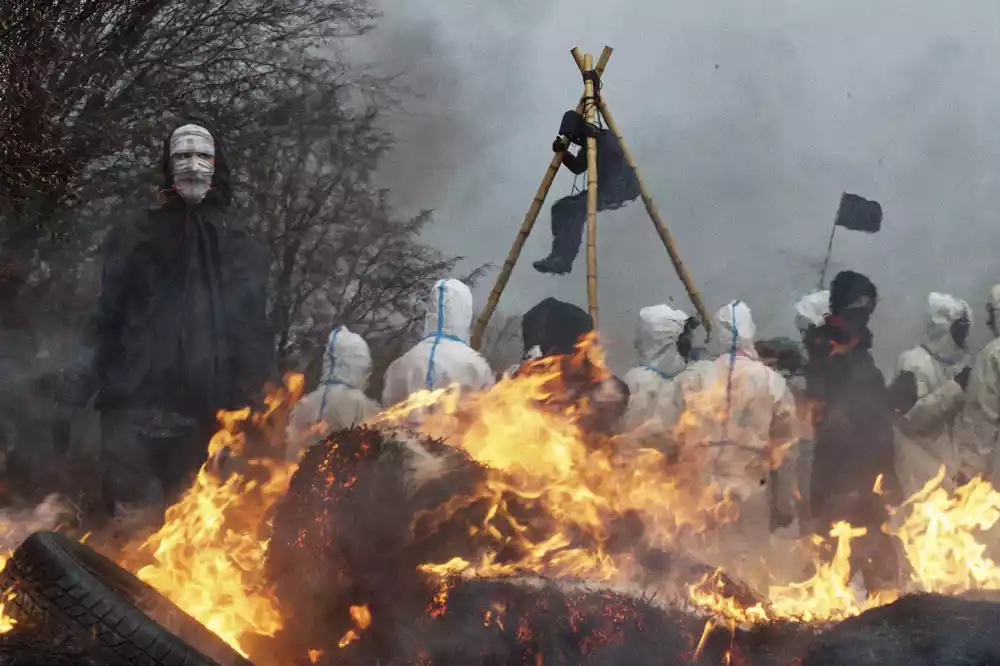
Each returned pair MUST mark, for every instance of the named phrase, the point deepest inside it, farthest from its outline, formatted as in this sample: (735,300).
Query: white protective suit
(656,336)
(924,439)
(339,401)
(810,311)
(444,356)
(736,413)
(977,429)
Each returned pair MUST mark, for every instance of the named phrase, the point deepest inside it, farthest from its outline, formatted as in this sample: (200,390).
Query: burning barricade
(492,528)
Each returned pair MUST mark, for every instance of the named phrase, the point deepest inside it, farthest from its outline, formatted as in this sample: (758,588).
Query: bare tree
(85,84)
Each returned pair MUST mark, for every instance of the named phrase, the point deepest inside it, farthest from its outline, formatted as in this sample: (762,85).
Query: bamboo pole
(528,223)
(590,108)
(661,228)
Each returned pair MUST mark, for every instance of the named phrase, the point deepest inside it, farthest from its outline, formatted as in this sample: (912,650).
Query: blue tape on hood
(327,383)
(438,336)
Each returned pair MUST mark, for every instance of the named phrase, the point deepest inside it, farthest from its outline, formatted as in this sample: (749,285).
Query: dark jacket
(853,426)
(617,183)
(181,320)
(556,328)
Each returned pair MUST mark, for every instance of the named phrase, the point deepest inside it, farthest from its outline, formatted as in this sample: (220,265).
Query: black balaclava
(684,344)
(960,330)
(853,298)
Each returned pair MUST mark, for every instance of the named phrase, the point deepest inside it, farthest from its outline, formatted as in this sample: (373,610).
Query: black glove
(903,392)
(559,145)
(962,378)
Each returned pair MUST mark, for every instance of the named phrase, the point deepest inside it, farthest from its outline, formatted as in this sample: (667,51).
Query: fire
(362,620)
(532,441)
(563,503)
(208,558)
(944,537)
(6,622)
(581,486)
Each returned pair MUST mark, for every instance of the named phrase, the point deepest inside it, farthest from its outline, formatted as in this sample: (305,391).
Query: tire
(65,588)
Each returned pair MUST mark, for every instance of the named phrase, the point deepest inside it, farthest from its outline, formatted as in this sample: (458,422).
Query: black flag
(859,214)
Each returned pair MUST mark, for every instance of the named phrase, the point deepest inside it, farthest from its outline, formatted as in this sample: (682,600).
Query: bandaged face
(192,162)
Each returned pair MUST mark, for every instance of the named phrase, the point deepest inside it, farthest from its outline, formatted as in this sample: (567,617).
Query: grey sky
(896,100)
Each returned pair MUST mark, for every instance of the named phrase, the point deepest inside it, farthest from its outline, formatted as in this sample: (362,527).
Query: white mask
(191,151)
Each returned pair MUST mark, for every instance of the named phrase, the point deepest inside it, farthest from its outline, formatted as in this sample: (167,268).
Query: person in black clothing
(553,328)
(853,422)
(617,184)
(180,329)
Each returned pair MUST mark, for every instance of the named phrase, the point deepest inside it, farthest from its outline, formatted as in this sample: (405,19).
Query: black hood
(221,193)
(848,287)
(555,327)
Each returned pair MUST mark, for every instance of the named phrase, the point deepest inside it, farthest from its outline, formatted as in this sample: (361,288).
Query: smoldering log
(359,518)
(516,621)
(368,507)
(917,630)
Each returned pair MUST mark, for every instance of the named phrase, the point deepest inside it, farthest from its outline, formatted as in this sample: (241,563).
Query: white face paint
(192,162)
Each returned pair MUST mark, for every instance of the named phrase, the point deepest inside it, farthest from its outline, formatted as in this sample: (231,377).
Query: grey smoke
(748,119)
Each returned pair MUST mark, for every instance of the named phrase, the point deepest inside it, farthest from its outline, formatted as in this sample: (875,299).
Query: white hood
(449,310)
(656,335)
(734,330)
(347,359)
(943,311)
(994,304)
(812,310)
(995,297)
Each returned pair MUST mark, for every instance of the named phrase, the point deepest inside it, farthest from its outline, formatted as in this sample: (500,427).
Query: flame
(208,558)
(529,435)
(945,536)
(531,439)
(565,503)
(362,620)
(6,622)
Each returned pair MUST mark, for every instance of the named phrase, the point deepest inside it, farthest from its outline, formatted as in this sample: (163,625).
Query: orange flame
(208,558)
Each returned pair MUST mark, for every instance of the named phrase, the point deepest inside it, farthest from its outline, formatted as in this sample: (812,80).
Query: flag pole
(829,246)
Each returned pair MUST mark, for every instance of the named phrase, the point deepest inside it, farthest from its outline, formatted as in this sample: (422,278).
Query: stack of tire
(71,605)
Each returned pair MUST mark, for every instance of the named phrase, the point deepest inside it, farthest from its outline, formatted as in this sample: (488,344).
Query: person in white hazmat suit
(339,401)
(977,429)
(444,356)
(810,311)
(941,366)
(662,355)
(738,416)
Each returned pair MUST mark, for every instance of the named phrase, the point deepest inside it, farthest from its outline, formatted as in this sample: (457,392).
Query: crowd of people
(810,432)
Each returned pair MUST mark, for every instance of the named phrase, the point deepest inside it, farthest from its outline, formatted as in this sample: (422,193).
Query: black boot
(569,215)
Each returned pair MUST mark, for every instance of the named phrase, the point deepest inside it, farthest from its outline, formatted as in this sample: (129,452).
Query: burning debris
(491,528)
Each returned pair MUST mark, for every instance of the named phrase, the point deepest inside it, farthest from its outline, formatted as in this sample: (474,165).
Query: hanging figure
(444,356)
(941,367)
(339,401)
(180,330)
(617,185)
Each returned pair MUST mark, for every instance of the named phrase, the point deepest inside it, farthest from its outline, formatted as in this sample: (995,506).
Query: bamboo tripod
(590,104)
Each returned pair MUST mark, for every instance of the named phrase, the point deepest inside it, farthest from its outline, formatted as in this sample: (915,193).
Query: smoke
(748,119)
(16,525)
